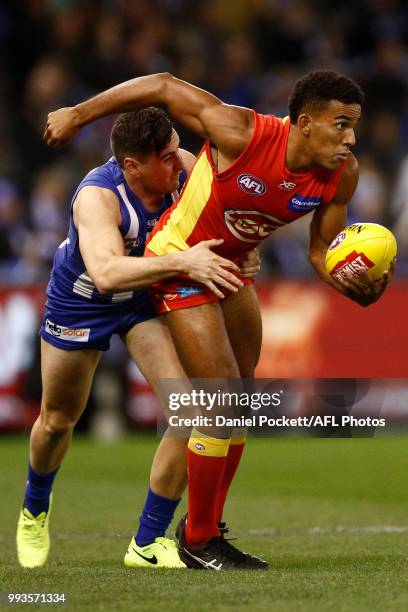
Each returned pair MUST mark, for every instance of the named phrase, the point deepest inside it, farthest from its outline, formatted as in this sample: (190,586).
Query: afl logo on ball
(250,225)
(338,240)
(251,184)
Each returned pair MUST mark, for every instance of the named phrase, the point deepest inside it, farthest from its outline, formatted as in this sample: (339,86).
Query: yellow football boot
(33,538)
(160,553)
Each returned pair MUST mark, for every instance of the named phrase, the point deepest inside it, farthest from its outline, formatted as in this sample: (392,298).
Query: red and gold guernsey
(245,203)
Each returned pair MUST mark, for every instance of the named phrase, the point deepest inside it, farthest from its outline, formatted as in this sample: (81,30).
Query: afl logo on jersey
(250,225)
(251,184)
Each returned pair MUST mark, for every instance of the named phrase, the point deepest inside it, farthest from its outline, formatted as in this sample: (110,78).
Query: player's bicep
(227,127)
(186,103)
(97,218)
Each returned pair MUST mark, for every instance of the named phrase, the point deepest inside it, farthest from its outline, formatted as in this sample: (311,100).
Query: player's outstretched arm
(227,127)
(327,222)
(97,218)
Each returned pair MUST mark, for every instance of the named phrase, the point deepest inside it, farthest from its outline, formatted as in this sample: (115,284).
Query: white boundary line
(268,531)
(316,530)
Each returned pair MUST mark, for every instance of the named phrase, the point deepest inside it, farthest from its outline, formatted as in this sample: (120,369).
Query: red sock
(235,451)
(206,459)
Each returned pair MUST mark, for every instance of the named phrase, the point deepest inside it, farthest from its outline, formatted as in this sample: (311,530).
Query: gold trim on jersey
(182,220)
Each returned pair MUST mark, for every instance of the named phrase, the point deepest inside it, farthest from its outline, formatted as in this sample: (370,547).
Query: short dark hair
(140,132)
(315,89)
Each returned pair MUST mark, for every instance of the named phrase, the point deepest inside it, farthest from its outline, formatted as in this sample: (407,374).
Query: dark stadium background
(248,52)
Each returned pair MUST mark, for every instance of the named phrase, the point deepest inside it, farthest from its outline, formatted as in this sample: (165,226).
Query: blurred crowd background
(248,52)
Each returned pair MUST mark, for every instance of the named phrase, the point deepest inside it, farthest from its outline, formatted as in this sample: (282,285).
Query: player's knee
(57,424)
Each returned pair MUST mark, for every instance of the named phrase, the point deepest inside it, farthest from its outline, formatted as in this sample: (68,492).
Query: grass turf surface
(329,515)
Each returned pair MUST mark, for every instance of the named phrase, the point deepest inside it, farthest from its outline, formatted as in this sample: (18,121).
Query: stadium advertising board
(333,338)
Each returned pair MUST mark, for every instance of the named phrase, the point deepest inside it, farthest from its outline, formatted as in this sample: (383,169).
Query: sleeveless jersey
(246,202)
(70,285)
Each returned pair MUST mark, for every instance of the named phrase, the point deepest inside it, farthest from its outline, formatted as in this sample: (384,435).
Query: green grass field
(329,515)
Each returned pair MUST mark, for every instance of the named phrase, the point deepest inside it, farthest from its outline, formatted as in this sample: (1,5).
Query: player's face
(160,172)
(331,133)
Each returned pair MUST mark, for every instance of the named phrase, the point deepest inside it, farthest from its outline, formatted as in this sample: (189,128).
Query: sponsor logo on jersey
(353,263)
(251,184)
(66,333)
(338,240)
(287,185)
(250,225)
(167,296)
(303,204)
(186,291)
(132,243)
(151,222)
(199,446)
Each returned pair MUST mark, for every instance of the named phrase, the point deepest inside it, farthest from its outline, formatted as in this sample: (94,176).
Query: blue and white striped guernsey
(70,284)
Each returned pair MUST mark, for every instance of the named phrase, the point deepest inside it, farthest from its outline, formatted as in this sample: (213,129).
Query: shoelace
(231,550)
(167,543)
(226,543)
(33,528)
(220,546)
(239,555)
(223,531)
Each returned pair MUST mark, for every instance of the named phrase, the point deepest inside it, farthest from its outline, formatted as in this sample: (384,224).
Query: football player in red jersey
(254,174)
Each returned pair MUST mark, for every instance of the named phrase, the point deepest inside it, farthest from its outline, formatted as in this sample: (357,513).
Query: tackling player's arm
(327,222)
(97,218)
(227,127)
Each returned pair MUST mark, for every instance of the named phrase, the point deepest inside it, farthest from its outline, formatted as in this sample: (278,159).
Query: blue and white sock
(38,490)
(157,515)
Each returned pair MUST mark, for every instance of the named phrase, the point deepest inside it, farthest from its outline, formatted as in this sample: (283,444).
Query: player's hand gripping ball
(361,247)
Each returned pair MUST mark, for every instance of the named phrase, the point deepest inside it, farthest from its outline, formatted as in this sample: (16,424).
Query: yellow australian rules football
(361,247)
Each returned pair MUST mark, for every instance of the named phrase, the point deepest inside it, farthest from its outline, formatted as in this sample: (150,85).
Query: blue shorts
(90,326)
